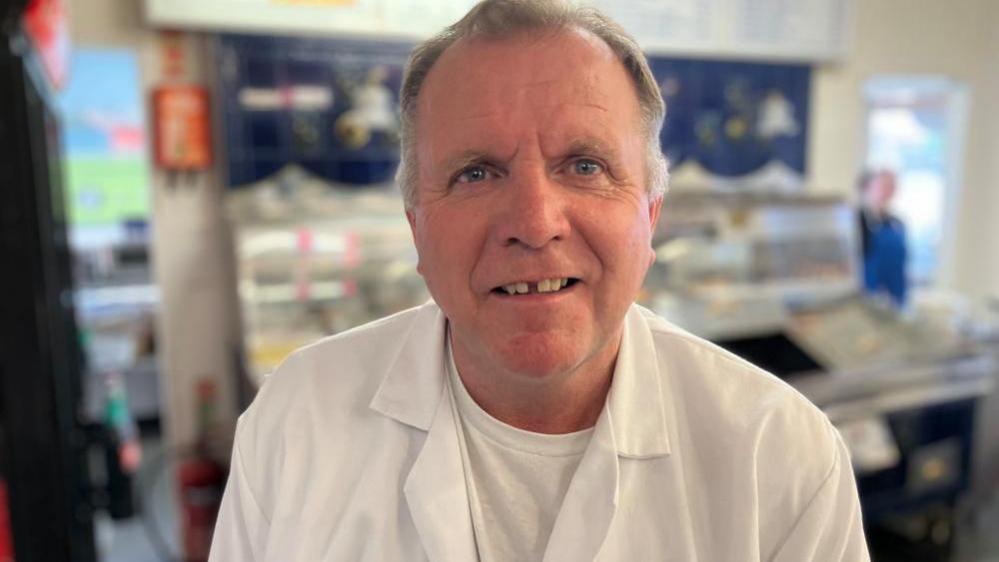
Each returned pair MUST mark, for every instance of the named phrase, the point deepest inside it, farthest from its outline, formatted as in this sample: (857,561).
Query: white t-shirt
(516,479)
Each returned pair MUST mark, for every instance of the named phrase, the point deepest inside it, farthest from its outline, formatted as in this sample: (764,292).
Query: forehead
(562,83)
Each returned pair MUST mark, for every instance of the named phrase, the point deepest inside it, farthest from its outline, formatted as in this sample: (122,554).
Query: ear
(655,207)
(411,219)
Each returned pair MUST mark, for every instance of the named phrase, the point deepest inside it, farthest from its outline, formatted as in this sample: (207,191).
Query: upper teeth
(544,286)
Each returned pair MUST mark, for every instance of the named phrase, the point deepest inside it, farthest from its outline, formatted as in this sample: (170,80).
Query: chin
(539,357)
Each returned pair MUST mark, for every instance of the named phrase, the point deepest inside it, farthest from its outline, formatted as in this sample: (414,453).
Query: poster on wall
(746,123)
(106,171)
(323,105)
(181,128)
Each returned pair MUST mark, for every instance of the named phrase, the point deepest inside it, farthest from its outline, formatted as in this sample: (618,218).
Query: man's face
(532,168)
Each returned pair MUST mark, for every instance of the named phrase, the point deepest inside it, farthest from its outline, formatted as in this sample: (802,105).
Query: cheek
(627,254)
(446,246)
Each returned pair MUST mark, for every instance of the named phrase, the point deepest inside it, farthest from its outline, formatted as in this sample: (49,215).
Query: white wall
(975,254)
(954,39)
(197,329)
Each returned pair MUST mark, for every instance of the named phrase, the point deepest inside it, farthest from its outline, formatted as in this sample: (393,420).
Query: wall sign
(802,30)
(181,128)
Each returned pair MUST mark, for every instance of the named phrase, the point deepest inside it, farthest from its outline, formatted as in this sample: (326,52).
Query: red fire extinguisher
(6,544)
(201,481)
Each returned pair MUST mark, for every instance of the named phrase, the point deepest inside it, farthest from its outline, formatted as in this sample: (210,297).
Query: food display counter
(773,279)
(904,394)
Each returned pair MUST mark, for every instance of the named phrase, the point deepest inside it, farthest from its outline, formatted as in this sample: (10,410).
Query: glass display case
(313,260)
(729,262)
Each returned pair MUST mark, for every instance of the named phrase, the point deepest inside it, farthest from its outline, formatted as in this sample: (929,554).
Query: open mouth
(553,285)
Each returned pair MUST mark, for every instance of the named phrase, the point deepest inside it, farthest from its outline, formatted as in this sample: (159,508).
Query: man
(882,237)
(532,411)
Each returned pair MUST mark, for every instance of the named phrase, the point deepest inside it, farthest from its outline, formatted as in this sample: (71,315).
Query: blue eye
(473,174)
(586,167)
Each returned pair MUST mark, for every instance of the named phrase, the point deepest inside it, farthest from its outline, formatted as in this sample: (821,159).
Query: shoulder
(337,367)
(744,432)
(698,364)
(748,415)
(319,396)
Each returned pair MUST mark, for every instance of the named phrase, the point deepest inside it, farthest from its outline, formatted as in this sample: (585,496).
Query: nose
(535,211)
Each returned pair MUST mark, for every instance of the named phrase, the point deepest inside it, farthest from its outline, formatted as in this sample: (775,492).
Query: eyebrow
(593,146)
(581,146)
(465,158)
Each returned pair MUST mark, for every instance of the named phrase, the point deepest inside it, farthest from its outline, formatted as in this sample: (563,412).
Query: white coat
(350,453)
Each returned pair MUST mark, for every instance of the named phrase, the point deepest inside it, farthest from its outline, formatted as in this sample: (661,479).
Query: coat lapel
(590,502)
(632,427)
(436,492)
(414,392)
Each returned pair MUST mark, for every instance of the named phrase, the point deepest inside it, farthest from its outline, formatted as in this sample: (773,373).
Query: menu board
(800,30)
(755,29)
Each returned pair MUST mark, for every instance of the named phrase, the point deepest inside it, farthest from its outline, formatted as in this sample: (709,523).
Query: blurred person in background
(532,411)
(882,239)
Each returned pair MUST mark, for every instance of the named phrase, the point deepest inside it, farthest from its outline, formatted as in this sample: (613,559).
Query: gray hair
(497,19)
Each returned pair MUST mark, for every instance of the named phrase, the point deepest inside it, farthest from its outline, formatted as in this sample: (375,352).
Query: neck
(555,404)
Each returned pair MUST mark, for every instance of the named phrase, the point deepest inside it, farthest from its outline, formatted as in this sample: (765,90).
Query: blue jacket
(885,256)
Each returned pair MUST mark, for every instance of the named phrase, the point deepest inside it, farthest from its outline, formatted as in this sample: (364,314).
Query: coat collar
(413,386)
(636,401)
